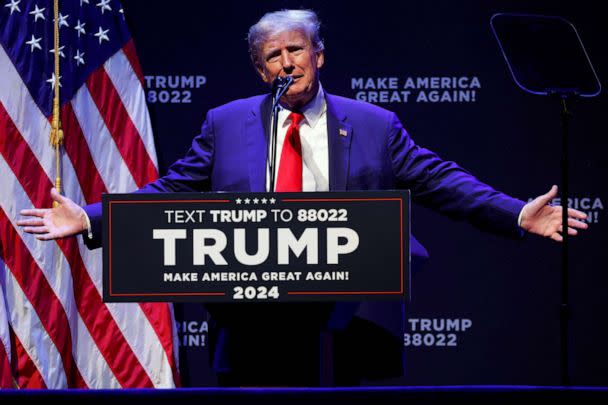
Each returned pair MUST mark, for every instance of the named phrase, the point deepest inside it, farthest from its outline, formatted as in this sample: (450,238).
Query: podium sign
(244,247)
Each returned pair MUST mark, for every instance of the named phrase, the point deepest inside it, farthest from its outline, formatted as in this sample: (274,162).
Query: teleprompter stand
(546,57)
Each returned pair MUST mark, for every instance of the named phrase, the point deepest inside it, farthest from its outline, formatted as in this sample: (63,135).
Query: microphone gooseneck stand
(279,88)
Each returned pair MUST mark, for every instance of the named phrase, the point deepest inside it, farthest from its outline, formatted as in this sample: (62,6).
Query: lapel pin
(343,132)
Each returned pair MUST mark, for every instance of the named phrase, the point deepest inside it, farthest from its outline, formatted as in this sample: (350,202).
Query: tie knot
(296,118)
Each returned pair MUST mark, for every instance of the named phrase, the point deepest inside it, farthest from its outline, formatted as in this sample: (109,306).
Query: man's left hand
(546,220)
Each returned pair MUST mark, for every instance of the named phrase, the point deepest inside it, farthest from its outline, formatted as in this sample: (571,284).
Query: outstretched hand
(66,219)
(546,220)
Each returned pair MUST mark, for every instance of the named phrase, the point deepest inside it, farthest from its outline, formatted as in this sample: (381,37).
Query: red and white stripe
(57,332)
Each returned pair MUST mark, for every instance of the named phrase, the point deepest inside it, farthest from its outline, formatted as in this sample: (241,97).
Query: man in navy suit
(344,145)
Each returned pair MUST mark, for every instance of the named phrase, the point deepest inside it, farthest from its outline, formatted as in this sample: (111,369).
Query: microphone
(279,87)
(282,83)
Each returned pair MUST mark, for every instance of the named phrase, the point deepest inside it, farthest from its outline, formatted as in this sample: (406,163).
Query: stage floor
(317,396)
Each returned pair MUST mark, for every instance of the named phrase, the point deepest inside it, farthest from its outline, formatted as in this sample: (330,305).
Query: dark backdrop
(484,309)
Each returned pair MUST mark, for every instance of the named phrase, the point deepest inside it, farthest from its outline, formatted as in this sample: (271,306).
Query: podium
(280,272)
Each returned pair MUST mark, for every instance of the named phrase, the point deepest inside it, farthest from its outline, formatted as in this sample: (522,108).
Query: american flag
(54,328)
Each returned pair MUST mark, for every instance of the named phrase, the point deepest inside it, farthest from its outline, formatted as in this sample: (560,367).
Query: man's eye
(272,58)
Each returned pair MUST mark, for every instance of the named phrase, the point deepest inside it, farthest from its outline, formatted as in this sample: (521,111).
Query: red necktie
(290,165)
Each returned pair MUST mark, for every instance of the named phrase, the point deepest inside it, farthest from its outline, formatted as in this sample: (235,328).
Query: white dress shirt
(313,137)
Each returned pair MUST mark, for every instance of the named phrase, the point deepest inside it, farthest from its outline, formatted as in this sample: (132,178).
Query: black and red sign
(220,247)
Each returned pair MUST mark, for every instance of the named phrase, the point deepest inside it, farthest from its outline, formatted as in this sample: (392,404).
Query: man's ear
(263,74)
(320,59)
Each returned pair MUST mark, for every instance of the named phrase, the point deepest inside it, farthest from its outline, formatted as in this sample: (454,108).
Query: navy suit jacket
(376,154)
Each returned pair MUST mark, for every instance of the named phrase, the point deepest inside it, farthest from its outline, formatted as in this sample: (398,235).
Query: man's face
(291,53)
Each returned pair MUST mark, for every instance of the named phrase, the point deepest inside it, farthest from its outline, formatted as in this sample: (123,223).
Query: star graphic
(256,200)
(272,200)
(83,1)
(13,5)
(247,200)
(101,34)
(238,200)
(80,28)
(63,20)
(60,51)
(79,58)
(264,200)
(103,4)
(52,81)
(37,13)
(34,43)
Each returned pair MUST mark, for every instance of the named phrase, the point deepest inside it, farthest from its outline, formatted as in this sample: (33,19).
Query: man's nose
(286,60)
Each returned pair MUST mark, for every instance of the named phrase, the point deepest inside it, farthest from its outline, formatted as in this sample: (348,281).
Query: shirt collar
(312,111)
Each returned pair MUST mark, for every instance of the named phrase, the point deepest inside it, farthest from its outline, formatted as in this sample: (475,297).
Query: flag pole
(56,130)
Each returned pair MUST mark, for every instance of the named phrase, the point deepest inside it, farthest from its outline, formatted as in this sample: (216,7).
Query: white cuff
(519,217)
(88,225)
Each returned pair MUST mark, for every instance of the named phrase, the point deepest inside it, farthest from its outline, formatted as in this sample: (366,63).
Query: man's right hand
(67,219)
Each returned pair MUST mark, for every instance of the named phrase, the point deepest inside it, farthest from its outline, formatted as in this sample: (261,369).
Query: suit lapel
(255,134)
(339,136)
